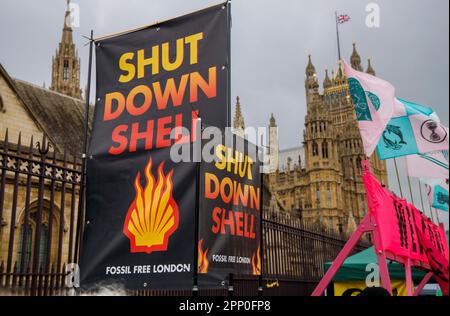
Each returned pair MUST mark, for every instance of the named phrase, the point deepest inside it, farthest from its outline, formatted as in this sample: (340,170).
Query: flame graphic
(153,215)
(203,263)
(256,263)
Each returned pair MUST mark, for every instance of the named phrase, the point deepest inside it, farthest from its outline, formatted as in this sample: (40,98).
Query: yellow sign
(354,288)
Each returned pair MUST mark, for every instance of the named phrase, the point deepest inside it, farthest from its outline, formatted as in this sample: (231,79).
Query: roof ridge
(47,90)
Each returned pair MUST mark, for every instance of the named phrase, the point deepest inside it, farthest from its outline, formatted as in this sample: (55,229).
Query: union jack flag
(343,18)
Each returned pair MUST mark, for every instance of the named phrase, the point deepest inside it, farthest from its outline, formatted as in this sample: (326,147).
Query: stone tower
(321,153)
(326,185)
(65,63)
(238,121)
(274,148)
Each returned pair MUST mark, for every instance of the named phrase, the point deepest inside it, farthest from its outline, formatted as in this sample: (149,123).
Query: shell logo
(153,215)
(256,262)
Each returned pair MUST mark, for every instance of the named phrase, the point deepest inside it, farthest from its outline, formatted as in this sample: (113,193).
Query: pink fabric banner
(405,232)
(395,220)
(435,246)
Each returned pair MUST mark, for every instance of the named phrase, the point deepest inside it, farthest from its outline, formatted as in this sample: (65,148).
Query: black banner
(230,212)
(139,228)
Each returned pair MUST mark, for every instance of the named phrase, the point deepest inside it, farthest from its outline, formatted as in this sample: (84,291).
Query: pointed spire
(273,123)
(238,122)
(310,69)
(327,81)
(370,69)
(65,63)
(356,59)
(339,77)
(340,72)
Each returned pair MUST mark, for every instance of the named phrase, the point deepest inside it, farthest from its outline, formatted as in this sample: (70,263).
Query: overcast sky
(270,44)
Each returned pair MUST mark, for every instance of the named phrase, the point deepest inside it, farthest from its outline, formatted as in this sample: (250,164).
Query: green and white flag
(413,129)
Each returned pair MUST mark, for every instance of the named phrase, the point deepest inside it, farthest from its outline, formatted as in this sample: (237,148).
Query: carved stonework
(66,64)
(327,185)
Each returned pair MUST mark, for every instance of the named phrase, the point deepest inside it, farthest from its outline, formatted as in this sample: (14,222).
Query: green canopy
(354,268)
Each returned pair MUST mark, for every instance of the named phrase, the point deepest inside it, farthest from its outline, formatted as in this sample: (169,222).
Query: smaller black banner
(230,211)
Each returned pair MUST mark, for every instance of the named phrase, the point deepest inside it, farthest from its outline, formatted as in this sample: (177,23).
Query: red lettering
(147,135)
(163,132)
(120,139)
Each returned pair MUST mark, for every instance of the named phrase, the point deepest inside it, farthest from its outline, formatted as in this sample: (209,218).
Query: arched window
(315,149)
(325,150)
(26,243)
(26,236)
(330,224)
(25,250)
(358,165)
(318,197)
(328,196)
(2,106)
(350,168)
(66,70)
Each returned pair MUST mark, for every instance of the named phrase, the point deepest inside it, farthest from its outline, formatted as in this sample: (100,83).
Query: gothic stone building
(321,180)
(28,113)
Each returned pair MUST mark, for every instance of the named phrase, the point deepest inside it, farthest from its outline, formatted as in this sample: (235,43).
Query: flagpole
(431,211)
(421,196)
(337,34)
(82,192)
(398,178)
(410,189)
(436,214)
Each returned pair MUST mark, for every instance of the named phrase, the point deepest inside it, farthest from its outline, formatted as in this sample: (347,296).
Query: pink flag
(430,165)
(374,101)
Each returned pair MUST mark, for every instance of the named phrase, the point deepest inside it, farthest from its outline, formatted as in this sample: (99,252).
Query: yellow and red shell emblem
(203,262)
(153,215)
(256,262)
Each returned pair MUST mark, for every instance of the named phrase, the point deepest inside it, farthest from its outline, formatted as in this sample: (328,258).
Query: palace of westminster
(320,180)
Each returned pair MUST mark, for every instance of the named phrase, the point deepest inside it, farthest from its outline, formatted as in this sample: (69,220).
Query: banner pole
(421,196)
(398,178)
(431,212)
(229,63)
(410,189)
(261,227)
(423,204)
(81,201)
(197,209)
(437,216)
(337,34)
(230,285)
(409,285)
